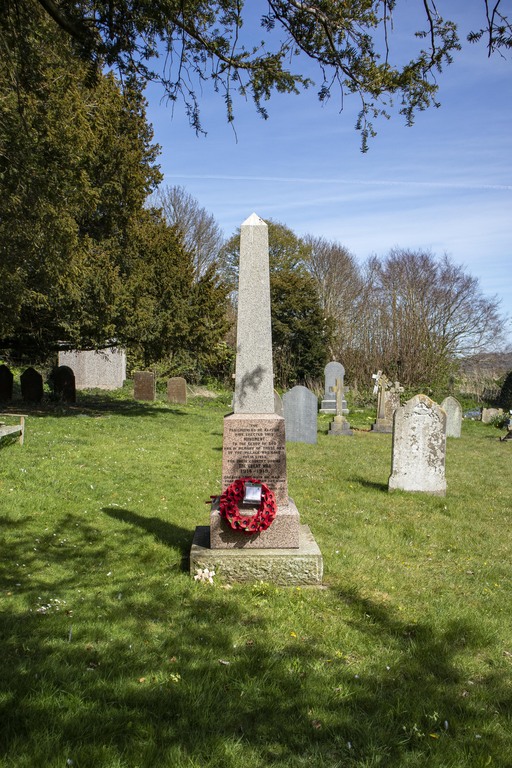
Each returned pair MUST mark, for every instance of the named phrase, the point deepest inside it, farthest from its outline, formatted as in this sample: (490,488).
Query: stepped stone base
(284,533)
(339,427)
(383,425)
(285,567)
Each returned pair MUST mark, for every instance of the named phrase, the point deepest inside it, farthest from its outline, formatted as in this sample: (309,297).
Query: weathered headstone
(6,383)
(300,415)
(177,390)
(419,447)
(488,414)
(453,410)
(339,425)
(278,404)
(96,368)
(63,383)
(254,445)
(333,372)
(144,385)
(31,383)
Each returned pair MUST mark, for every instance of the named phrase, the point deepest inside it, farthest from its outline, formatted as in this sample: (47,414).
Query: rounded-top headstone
(6,383)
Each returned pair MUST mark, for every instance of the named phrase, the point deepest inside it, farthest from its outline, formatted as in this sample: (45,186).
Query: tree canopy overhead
(257,48)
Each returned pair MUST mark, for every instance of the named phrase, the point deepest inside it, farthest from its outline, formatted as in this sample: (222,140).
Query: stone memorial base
(302,566)
(382,425)
(283,533)
(339,427)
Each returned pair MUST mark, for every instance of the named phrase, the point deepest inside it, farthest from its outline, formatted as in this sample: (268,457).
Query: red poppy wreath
(229,507)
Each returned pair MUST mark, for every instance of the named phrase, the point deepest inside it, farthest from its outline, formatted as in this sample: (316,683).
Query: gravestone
(453,410)
(254,445)
(388,400)
(339,425)
(6,383)
(300,415)
(96,368)
(144,385)
(31,384)
(63,383)
(419,447)
(333,372)
(488,414)
(177,390)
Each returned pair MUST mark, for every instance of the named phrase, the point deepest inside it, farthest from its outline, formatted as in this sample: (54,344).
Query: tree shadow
(166,533)
(155,670)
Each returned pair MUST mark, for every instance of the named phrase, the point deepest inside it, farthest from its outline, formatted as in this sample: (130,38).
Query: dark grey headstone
(63,381)
(31,383)
(144,385)
(300,415)
(6,383)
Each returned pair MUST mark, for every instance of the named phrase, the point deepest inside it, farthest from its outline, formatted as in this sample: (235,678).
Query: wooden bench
(13,429)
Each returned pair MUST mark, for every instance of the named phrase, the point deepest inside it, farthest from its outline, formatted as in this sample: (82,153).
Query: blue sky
(444,185)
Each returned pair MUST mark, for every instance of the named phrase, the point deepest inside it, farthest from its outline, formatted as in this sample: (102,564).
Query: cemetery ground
(113,656)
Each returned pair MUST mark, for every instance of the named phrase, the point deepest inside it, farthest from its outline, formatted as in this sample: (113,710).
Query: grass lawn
(112,656)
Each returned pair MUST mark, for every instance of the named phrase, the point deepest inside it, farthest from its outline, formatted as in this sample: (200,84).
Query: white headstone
(453,416)
(419,447)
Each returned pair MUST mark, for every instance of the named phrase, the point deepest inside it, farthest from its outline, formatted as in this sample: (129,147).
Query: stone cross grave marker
(177,390)
(339,425)
(333,371)
(419,447)
(388,400)
(300,415)
(453,416)
(144,385)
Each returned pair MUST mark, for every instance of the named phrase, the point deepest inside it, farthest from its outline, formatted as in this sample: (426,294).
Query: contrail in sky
(300,180)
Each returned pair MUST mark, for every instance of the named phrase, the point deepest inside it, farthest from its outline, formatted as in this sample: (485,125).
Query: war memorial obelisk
(254,446)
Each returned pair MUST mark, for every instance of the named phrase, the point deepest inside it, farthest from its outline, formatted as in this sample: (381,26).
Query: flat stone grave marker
(31,383)
(144,385)
(6,383)
(453,416)
(419,447)
(300,415)
(177,390)
(63,382)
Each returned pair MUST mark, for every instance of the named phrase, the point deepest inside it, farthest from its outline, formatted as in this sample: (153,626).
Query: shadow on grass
(369,484)
(94,405)
(161,671)
(164,532)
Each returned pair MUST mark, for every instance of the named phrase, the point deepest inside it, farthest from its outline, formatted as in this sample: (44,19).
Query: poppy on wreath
(229,507)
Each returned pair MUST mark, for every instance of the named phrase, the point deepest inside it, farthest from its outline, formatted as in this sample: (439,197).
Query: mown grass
(113,656)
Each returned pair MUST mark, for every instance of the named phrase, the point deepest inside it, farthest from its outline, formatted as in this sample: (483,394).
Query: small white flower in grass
(204,575)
